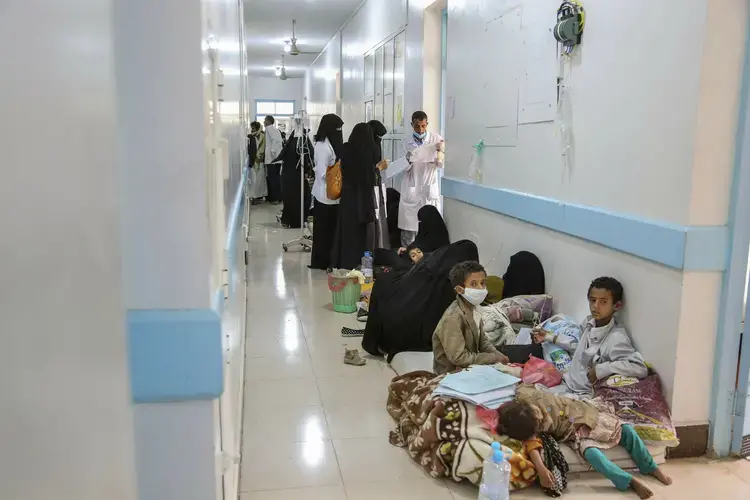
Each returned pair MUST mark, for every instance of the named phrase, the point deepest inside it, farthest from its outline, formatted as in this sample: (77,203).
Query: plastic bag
(560,325)
(539,371)
(640,403)
(475,165)
(559,357)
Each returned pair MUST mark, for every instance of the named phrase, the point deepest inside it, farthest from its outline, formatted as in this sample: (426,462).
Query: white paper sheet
(394,168)
(426,153)
(524,337)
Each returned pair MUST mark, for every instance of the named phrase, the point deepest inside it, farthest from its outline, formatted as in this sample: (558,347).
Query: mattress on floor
(405,362)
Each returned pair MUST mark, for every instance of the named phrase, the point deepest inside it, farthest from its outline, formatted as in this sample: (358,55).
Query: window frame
(277,116)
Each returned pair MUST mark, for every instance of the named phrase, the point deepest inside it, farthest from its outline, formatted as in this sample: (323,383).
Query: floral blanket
(448,437)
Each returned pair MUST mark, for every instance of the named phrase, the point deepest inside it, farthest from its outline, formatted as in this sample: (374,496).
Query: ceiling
(269,22)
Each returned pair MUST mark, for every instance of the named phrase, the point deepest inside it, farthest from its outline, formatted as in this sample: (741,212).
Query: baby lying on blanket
(604,348)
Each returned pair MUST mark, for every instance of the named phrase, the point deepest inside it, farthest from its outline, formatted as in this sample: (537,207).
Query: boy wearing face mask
(459,340)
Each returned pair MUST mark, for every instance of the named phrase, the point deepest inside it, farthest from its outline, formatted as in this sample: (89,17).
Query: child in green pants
(587,427)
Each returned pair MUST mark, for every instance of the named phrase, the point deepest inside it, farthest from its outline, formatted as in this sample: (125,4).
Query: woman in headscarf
(432,233)
(382,238)
(524,276)
(296,159)
(256,151)
(355,228)
(329,143)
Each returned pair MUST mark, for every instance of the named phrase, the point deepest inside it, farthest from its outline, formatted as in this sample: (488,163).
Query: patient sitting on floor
(604,348)
(459,341)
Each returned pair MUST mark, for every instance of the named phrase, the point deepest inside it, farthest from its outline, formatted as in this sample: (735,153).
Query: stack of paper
(480,385)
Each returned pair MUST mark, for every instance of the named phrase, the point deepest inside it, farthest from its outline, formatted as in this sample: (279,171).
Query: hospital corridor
(374,249)
(316,428)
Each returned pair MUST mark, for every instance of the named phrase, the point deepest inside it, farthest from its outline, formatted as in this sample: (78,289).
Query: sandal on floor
(352,357)
(350,332)
(362,316)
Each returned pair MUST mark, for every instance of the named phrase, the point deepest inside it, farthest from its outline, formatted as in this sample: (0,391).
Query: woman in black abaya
(292,182)
(432,235)
(355,227)
(329,143)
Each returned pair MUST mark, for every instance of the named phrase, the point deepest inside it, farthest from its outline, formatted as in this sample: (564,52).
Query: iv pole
(305,239)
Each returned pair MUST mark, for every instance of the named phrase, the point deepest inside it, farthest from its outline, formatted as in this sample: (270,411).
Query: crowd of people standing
(347,226)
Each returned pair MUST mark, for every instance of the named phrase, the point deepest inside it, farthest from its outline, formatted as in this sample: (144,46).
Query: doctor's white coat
(420,185)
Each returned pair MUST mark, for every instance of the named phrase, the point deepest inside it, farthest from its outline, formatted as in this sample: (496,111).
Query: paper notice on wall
(394,168)
(399,111)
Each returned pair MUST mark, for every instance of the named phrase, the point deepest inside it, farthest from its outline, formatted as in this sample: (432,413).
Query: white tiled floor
(317,429)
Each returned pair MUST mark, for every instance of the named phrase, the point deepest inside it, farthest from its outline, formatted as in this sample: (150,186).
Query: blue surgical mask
(420,136)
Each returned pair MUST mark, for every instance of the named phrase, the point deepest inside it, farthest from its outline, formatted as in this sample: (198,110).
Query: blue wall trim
(701,248)
(726,429)
(175,355)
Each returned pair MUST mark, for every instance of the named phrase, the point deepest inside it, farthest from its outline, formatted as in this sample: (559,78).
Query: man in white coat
(421,183)
(274,145)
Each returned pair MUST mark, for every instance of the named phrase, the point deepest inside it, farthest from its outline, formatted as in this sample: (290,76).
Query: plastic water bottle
(367,267)
(496,476)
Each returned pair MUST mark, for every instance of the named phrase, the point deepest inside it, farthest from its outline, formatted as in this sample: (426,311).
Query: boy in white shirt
(605,347)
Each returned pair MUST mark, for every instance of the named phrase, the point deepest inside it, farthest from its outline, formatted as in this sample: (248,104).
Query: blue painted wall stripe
(701,248)
(175,355)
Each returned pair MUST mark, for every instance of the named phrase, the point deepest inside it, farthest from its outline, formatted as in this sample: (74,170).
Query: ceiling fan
(281,71)
(290,46)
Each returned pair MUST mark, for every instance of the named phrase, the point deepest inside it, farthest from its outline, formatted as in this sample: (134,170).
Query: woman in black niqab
(357,203)
(329,144)
(330,129)
(524,276)
(433,233)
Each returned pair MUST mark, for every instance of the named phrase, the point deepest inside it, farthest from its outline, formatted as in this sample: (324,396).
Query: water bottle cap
(495,445)
(368,254)
(498,456)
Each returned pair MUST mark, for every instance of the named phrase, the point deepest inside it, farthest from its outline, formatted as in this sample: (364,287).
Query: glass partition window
(369,76)
(379,84)
(398,82)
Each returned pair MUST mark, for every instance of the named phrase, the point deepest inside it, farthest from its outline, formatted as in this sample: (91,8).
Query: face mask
(475,296)
(420,136)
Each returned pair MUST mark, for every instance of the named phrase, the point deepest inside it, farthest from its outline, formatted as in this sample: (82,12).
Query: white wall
(372,24)
(67,423)
(323,82)
(653,119)
(262,87)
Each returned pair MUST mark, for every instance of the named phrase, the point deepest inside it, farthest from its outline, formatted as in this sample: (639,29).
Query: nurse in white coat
(421,183)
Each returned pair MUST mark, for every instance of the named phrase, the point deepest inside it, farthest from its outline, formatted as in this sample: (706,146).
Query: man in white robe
(421,183)
(274,145)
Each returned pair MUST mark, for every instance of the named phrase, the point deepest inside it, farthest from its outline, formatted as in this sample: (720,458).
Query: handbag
(334,181)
